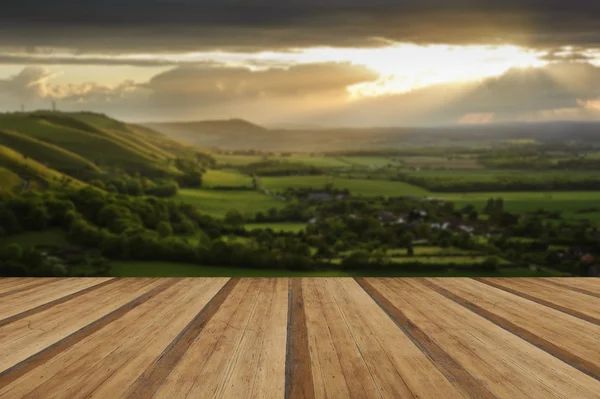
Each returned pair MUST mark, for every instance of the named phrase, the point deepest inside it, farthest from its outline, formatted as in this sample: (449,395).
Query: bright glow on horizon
(402,67)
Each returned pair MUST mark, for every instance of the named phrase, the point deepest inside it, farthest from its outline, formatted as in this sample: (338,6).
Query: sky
(310,62)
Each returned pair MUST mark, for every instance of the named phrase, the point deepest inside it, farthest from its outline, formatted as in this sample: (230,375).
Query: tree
(12,252)
(164,229)
(491,264)
(234,218)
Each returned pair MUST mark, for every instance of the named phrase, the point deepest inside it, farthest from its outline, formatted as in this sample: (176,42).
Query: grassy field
(567,202)
(75,143)
(370,162)
(440,162)
(236,160)
(490,175)
(361,187)
(228,178)
(289,227)
(17,162)
(218,202)
(51,155)
(316,161)
(51,237)
(166,269)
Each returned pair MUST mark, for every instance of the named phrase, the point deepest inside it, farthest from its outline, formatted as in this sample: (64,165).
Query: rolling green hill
(18,163)
(8,180)
(50,155)
(51,147)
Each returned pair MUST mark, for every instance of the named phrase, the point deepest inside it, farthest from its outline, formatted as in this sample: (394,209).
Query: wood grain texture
(299,338)
(540,326)
(573,303)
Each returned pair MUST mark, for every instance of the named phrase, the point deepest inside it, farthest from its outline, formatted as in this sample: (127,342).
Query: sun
(407,67)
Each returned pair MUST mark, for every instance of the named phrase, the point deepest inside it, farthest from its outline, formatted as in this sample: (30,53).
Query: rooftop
(299,338)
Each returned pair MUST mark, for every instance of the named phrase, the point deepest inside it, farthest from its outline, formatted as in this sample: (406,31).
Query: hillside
(216,133)
(24,166)
(48,146)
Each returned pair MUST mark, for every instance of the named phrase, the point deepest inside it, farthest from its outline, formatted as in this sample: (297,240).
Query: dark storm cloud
(175,25)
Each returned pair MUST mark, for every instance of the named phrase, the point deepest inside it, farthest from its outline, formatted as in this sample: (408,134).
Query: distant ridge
(213,126)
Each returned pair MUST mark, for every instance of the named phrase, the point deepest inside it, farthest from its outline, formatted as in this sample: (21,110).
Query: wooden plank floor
(299,338)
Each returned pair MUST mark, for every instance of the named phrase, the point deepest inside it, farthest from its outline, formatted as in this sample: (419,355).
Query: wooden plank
(416,368)
(213,376)
(563,285)
(327,371)
(568,338)
(120,368)
(584,283)
(269,380)
(181,379)
(298,373)
(463,383)
(28,336)
(243,367)
(156,373)
(8,282)
(48,305)
(64,367)
(16,286)
(354,350)
(573,303)
(23,368)
(506,365)
(27,300)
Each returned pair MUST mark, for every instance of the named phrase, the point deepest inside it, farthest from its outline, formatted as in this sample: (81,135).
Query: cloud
(34,85)
(562,91)
(209,84)
(179,25)
(317,93)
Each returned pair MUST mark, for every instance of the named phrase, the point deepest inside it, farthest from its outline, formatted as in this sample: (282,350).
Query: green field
(491,175)
(370,162)
(289,227)
(166,269)
(236,160)
(361,187)
(316,161)
(440,162)
(227,178)
(218,202)
(529,201)
(51,237)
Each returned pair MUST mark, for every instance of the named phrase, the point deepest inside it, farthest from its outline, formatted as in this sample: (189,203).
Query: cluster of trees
(280,168)
(15,261)
(137,185)
(192,171)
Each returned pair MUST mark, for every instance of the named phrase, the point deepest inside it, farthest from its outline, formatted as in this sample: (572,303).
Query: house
(440,226)
(400,220)
(387,216)
(313,221)
(466,229)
